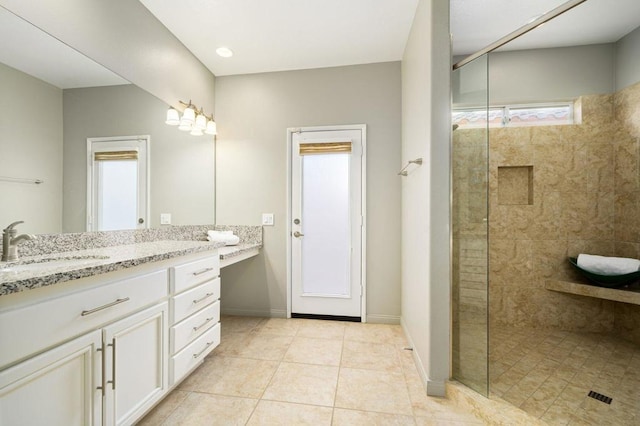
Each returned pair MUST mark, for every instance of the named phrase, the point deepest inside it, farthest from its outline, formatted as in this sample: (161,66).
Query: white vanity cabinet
(101,353)
(103,350)
(195,314)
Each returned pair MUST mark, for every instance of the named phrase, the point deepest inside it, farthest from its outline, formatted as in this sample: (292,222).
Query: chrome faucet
(10,241)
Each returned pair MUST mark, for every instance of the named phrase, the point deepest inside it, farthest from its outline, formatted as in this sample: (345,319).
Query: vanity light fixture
(193,120)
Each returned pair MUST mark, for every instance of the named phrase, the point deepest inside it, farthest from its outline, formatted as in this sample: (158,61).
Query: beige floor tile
(303,383)
(342,417)
(370,390)
(265,346)
(234,324)
(320,329)
(280,326)
(204,409)
(163,410)
(430,421)
(285,413)
(232,344)
(373,333)
(232,377)
(314,351)
(370,356)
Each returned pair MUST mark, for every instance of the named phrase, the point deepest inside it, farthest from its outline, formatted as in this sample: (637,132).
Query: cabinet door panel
(58,387)
(136,364)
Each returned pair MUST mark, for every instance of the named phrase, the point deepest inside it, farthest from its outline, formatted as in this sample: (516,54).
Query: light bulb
(173,117)
(212,128)
(195,131)
(201,121)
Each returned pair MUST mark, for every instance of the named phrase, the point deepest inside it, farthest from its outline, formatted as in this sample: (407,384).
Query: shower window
(515,115)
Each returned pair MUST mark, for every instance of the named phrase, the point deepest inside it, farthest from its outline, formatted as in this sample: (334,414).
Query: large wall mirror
(53,100)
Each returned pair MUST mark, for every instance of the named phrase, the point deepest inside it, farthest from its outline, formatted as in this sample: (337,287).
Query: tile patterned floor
(306,372)
(549,374)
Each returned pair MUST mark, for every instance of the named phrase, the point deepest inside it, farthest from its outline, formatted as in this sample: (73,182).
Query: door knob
(297,234)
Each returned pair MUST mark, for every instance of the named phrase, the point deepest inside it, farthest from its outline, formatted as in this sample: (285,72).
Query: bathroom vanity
(100,336)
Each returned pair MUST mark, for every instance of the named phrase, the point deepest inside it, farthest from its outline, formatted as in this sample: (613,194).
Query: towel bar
(404,171)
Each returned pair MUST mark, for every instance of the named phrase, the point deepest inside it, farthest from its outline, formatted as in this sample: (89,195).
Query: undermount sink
(50,263)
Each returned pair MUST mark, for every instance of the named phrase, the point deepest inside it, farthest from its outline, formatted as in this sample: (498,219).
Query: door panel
(117,183)
(326,213)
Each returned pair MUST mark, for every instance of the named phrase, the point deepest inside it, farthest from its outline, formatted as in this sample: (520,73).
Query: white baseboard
(383,319)
(272,313)
(432,387)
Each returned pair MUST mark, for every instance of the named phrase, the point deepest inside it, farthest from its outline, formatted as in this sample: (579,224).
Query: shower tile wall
(627,197)
(572,212)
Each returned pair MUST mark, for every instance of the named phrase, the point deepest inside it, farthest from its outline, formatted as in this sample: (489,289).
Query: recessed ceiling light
(225,52)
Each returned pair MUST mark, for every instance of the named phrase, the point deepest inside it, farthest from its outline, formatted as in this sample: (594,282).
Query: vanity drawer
(195,299)
(188,358)
(193,273)
(30,329)
(195,325)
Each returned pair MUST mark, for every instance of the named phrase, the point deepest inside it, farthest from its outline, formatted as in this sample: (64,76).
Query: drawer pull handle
(108,305)
(202,271)
(203,324)
(202,351)
(196,301)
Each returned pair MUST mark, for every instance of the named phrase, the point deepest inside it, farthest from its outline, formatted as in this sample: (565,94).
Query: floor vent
(600,397)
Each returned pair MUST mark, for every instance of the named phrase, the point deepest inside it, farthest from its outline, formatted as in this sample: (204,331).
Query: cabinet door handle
(108,305)
(202,271)
(202,351)
(203,324)
(103,385)
(196,301)
(113,363)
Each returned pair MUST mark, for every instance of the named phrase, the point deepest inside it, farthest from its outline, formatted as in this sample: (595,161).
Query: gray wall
(253,113)
(557,74)
(126,38)
(426,125)
(628,60)
(30,147)
(182,166)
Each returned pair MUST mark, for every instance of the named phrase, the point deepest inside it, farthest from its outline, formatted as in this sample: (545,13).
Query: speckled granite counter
(44,270)
(233,254)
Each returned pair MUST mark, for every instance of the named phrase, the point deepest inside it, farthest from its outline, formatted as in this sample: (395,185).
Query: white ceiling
(276,35)
(476,24)
(273,35)
(30,50)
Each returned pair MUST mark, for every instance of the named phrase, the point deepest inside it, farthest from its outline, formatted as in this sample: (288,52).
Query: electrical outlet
(267,219)
(165,218)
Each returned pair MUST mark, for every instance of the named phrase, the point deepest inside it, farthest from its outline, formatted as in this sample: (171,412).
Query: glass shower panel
(470,167)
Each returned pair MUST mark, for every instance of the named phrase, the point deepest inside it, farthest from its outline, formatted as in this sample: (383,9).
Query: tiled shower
(524,200)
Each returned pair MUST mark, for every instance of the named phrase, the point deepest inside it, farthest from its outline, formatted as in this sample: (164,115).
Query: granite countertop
(228,252)
(44,270)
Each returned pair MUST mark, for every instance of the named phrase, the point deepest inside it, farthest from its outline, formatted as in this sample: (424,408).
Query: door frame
(88,199)
(363,229)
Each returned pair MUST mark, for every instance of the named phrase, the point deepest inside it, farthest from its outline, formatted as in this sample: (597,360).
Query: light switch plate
(165,218)
(267,219)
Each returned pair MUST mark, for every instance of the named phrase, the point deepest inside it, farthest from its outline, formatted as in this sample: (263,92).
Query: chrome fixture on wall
(193,120)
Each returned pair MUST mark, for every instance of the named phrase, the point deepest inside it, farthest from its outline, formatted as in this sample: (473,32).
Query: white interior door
(117,183)
(327,222)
